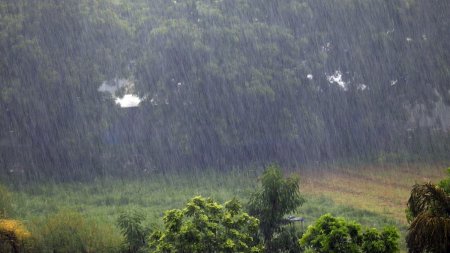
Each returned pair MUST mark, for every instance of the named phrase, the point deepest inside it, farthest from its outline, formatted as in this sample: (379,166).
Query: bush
(286,240)
(68,231)
(130,224)
(331,234)
(206,226)
(276,198)
(384,242)
(13,235)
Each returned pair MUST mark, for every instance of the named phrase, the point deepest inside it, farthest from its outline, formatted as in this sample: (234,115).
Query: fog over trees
(95,87)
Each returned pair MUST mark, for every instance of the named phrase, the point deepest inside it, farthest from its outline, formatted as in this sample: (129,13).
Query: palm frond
(429,198)
(429,233)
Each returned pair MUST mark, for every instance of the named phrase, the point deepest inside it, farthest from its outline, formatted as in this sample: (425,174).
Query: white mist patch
(105,87)
(337,79)
(112,86)
(115,85)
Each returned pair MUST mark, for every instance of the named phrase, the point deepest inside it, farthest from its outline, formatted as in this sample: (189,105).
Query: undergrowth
(97,205)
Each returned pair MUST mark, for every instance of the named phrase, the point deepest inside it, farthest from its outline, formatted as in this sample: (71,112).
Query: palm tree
(429,215)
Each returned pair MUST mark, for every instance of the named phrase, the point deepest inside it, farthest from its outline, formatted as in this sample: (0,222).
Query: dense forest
(94,87)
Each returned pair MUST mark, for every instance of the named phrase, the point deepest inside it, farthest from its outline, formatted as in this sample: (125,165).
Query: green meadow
(373,196)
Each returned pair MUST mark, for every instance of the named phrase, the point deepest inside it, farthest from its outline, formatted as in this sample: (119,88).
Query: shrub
(206,226)
(286,240)
(130,224)
(384,242)
(12,236)
(331,234)
(276,198)
(68,231)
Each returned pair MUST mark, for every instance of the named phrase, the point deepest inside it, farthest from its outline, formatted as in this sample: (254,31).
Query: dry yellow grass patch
(381,189)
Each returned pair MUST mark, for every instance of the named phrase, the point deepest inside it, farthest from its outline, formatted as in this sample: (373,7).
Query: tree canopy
(222,83)
(335,234)
(429,217)
(206,226)
(276,198)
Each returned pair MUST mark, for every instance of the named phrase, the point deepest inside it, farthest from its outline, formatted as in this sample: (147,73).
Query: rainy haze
(253,126)
(111,87)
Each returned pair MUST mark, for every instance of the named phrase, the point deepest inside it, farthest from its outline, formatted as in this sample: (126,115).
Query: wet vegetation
(219,84)
(113,215)
(151,125)
(429,214)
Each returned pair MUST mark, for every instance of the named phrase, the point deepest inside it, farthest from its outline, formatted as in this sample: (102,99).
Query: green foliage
(206,226)
(286,241)
(384,242)
(130,224)
(330,234)
(445,183)
(334,234)
(68,231)
(228,83)
(6,208)
(157,193)
(276,198)
(429,216)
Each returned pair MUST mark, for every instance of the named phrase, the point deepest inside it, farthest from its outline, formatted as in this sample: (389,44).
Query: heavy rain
(225,126)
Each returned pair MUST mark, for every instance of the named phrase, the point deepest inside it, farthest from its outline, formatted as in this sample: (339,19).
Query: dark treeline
(224,83)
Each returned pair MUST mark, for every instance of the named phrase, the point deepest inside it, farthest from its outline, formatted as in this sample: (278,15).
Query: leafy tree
(384,242)
(336,235)
(429,216)
(206,226)
(330,234)
(227,83)
(130,224)
(276,198)
(286,241)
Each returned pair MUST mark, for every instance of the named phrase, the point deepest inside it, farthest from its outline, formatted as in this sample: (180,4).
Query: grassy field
(380,189)
(374,196)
